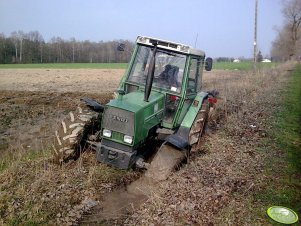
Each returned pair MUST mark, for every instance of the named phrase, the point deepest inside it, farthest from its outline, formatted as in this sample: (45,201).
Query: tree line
(21,47)
(287,45)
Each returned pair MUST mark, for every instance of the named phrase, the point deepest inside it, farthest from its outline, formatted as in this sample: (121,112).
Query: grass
(33,191)
(277,113)
(289,123)
(244,65)
(231,172)
(66,66)
(12,156)
(242,170)
(220,182)
(286,133)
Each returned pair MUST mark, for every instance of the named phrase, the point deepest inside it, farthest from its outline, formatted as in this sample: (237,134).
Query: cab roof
(169,45)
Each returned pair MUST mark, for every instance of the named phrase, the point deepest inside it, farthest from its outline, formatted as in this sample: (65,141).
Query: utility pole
(255,37)
(196,40)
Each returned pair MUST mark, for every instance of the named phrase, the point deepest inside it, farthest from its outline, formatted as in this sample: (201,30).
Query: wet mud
(119,204)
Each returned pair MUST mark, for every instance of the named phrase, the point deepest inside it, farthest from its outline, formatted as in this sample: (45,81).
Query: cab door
(193,84)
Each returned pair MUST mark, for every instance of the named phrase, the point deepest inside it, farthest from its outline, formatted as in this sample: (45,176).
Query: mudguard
(94,105)
(180,138)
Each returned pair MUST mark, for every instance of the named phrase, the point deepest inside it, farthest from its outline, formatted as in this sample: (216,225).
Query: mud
(164,162)
(119,204)
(33,101)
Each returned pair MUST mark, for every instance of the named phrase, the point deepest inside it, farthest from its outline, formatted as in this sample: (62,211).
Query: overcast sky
(223,27)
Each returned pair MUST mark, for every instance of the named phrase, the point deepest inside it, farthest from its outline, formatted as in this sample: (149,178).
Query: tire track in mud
(121,203)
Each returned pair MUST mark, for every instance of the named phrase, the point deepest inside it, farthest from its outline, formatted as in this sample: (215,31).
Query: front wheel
(73,133)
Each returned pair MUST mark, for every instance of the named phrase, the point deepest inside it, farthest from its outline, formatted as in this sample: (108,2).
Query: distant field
(67,66)
(240,66)
(216,65)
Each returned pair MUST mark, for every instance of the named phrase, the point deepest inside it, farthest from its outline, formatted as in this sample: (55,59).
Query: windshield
(169,68)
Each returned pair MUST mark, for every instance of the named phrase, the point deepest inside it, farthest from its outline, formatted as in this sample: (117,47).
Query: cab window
(192,77)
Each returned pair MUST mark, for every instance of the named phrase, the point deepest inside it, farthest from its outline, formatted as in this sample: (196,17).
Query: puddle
(119,204)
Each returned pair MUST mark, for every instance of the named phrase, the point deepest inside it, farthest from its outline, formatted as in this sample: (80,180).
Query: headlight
(107,133)
(128,139)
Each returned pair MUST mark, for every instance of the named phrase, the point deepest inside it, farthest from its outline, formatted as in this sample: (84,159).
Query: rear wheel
(198,126)
(74,132)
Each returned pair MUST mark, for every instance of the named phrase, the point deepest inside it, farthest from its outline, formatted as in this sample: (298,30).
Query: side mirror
(121,47)
(208,64)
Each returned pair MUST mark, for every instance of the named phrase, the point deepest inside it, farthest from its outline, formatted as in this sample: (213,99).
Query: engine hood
(131,115)
(134,101)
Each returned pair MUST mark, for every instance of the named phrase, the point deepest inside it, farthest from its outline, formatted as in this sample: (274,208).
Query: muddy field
(60,80)
(32,102)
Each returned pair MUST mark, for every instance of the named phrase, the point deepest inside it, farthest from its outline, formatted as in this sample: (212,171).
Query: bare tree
(30,47)
(292,13)
(281,45)
(73,41)
(20,37)
(287,43)
(14,37)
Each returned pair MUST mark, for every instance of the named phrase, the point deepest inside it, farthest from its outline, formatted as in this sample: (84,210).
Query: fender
(180,138)
(95,106)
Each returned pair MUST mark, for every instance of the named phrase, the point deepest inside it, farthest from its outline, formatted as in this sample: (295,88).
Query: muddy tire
(70,139)
(198,126)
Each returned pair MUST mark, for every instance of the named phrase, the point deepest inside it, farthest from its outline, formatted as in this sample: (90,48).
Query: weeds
(33,190)
(285,167)
(230,184)
(241,170)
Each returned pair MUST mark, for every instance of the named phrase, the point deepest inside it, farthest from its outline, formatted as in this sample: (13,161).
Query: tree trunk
(21,45)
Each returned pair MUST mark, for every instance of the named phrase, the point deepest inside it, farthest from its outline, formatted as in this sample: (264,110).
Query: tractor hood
(132,116)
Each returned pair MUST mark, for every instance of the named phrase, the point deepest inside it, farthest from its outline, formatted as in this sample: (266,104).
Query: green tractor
(158,103)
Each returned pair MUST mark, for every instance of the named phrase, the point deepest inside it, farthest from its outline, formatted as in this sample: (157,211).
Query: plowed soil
(60,80)
(33,100)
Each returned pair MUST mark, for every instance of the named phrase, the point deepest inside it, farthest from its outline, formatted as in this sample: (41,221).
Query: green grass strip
(241,66)
(66,66)
(286,168)
(289,122)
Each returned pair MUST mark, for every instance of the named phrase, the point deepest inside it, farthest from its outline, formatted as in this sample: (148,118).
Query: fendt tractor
(158,103)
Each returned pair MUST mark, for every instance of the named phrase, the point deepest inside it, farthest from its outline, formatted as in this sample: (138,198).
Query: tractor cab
(177,73)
